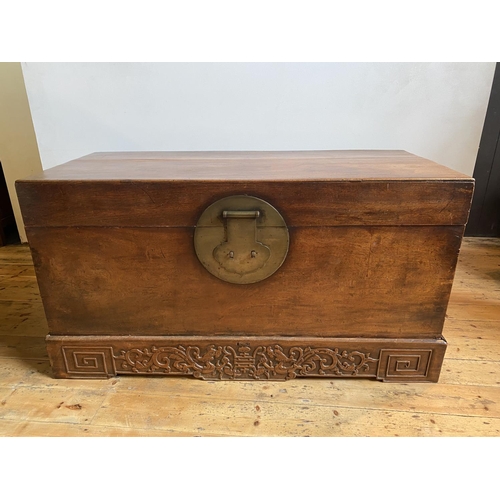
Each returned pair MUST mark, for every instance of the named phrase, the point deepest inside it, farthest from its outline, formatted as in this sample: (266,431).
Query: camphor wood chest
(247,265)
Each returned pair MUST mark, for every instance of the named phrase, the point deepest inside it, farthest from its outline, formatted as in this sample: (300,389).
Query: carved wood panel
(248,359)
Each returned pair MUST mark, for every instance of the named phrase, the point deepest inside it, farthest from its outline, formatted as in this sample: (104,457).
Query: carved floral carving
(244,362)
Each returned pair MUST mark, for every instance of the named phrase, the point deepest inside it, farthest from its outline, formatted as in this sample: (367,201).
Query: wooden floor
(463,403)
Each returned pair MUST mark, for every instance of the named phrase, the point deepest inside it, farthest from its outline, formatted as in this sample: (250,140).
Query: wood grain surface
(257,166)
(466,401)
(179,204)
(335,281)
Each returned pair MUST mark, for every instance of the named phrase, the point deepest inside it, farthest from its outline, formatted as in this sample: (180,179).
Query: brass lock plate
(241,239)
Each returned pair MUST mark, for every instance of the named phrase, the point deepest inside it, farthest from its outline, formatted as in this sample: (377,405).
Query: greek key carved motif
(88,361)
(404,363)
(245,362)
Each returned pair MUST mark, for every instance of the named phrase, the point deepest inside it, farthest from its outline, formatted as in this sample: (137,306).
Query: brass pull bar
(241,214)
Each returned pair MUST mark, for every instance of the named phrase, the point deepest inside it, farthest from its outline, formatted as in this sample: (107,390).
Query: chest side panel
(336,281)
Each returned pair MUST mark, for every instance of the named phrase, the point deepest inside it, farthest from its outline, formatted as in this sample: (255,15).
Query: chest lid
(309,188)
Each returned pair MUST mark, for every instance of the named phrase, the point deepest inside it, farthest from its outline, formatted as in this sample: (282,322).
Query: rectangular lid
(251,166)
(309,188)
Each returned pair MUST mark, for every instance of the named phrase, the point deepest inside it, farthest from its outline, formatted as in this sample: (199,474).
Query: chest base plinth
(246,358)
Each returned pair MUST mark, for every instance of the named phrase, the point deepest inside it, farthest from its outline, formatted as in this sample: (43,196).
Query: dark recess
(484,217)
(8,229)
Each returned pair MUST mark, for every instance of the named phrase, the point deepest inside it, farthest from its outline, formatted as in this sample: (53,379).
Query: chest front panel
(335,281)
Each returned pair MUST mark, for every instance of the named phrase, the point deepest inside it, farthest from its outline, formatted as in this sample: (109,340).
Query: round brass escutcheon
(241,239)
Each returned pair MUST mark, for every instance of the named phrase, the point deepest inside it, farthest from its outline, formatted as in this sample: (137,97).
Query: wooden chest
(246,265)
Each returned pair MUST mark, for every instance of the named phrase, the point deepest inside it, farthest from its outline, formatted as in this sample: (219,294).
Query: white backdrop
(435,110)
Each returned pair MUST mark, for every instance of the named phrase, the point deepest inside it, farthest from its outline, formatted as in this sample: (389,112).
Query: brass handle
(240,214)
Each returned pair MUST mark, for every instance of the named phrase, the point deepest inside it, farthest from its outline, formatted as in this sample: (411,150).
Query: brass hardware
(241,239)
(241,214)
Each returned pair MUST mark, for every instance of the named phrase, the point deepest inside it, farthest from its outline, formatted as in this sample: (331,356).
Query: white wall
(435,110)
